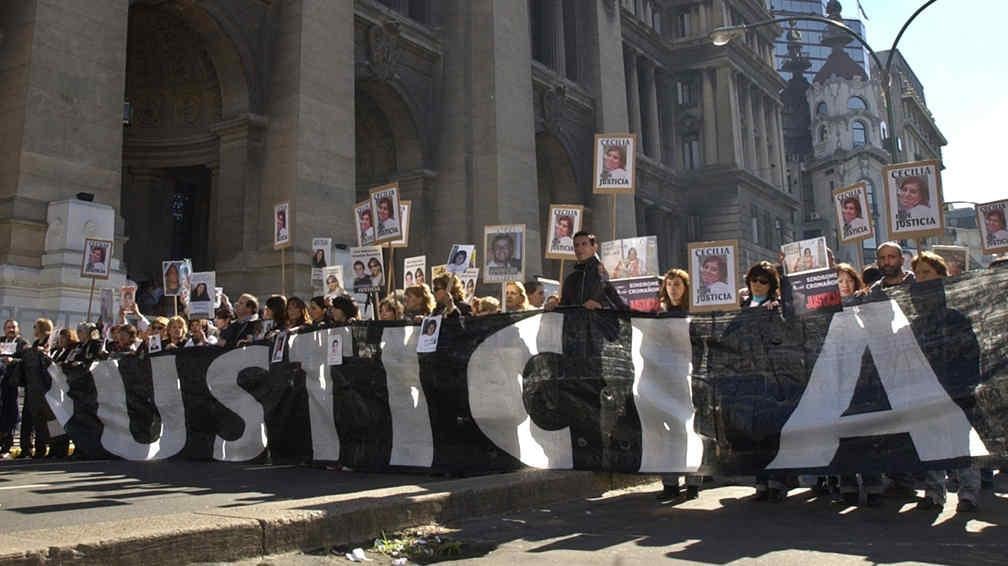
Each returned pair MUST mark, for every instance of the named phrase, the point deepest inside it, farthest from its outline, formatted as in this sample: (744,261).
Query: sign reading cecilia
(913,197)
(852,213)
(713,268)
(993,231)
(615,163)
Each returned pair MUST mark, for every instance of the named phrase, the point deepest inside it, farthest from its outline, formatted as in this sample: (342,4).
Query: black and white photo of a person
(282,234)
(172,278)
(200,293)
(713,277)
(458,262)
(614,161)
(333,288)
(501,253)
(430,328)
(997,232)
(854,221)
(914,199)
(97,259)
(362,279)
(319,259)
(377,274)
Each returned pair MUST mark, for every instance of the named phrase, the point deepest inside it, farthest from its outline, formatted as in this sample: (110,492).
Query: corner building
(187,120)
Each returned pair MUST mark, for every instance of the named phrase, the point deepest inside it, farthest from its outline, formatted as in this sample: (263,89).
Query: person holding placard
(588,286)
(11,346)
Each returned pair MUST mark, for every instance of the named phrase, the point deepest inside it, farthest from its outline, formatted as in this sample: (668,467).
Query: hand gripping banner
(911,379)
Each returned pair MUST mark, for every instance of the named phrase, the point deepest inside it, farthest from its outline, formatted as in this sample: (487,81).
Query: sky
(957,50)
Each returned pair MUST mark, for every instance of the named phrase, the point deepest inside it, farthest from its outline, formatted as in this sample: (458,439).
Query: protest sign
(413,271)
(956,258)
(430,328)
(993,229)
(281,226)
(459,259)
(713,269)
(505,249)
(321,256)
(630,257)
(913,199)
(369,269)
(639,293)
(563,221)
(615,163)
(364,222)
(385,204)
(405,216)
(201,300)
(805,255)
(332,282)
(96,261)
(853,215)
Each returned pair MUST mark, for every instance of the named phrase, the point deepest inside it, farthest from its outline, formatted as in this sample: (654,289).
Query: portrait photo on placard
(281,225)
(364,222)
(430,329)
(368,269)
(615,163)
(97,258)
(413,271)
(385,204)
(127,298)
(714,280)
(335,351)
(279,345)
(459,258)
(630,257)
(913,198)
(468,280)
(175,277)
(956,258)
(201,295)
(564,220)
(853,215)
(437,271)
(405,213)
(993,229)
(505,253)
(332,282)
(805,255)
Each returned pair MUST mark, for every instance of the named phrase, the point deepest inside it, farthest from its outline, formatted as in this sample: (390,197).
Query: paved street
(40,494)
(724,527)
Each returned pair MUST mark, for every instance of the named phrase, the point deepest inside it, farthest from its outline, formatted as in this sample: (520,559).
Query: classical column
(728,131)
(556,23)
(633,91)
(779,145)
(762,163)
(709,118)
(770,142)
(667,111)
(654,127)
(142,245)
(749,132)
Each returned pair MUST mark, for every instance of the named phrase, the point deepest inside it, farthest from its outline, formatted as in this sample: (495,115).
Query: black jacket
(590,281)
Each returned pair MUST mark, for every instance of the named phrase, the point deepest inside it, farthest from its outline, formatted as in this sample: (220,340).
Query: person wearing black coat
(588,286)
(12,345)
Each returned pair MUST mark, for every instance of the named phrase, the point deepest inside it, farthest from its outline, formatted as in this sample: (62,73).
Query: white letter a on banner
(920,405)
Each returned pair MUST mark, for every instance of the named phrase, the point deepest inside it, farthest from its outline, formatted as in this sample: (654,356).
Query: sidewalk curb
(276,527)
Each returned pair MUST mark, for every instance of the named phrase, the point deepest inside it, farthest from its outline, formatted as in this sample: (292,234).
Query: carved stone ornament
(383,49)
(552,103)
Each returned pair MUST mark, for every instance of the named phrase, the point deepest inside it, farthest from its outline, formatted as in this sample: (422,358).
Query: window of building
(860,133)
(537,20)
(572,63)
(691,151)
(686,91)
(856,103)
(754,219)
(684,23)
(767,232)
(823,133)
(820,109)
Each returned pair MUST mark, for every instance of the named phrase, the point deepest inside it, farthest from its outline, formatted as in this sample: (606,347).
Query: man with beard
(889,258)
(588,285)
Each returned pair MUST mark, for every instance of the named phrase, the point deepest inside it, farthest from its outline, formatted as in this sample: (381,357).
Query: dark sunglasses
(760,280)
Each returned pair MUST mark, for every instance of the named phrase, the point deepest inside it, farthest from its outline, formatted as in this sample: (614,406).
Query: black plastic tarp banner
(903,381)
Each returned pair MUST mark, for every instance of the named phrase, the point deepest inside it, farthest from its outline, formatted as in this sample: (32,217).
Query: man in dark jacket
(588,286)
(11,346)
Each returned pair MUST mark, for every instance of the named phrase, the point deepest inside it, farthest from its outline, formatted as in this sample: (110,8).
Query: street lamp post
(724,35)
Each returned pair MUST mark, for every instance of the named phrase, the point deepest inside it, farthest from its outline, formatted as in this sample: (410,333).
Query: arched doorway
(183,81)
(557,185)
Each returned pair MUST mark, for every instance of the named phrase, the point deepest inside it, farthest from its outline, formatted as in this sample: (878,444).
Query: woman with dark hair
(673,296)
(448,296)
(318,260)
(420,278)
(317,311)
(849,281)
(199,293)
(275,316)
(343,310)
(854,222)
(297,314)
(763,283)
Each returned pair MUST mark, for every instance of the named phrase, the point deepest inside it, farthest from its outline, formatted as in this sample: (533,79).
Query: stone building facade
(187,120)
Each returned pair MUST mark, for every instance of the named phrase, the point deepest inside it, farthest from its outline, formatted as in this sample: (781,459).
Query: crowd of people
(246,320)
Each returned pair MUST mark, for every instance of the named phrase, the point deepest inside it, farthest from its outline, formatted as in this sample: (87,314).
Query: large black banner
(900,382)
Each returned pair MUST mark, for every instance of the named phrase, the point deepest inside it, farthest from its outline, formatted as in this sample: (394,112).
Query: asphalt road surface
(722,527)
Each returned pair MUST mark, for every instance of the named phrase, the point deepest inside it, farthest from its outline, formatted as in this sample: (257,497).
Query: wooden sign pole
(283,271)
(612,209)
(562,262)
(90,300)
(390,272)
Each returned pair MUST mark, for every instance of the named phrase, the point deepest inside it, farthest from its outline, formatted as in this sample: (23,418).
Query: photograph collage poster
(364,222)
(993,229)
(201,296)
(468,280)
(913,197)
(321,256)
(714,280)
(281,226)
(414,269)
(505,249)
(615,163)
(385,204)
(175,274)
(805,255)
(564,221)
(460,258)
(368,269)
(96,260)
(853,213)
(630,257)
(332,282)
(127,298)
(956,258)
